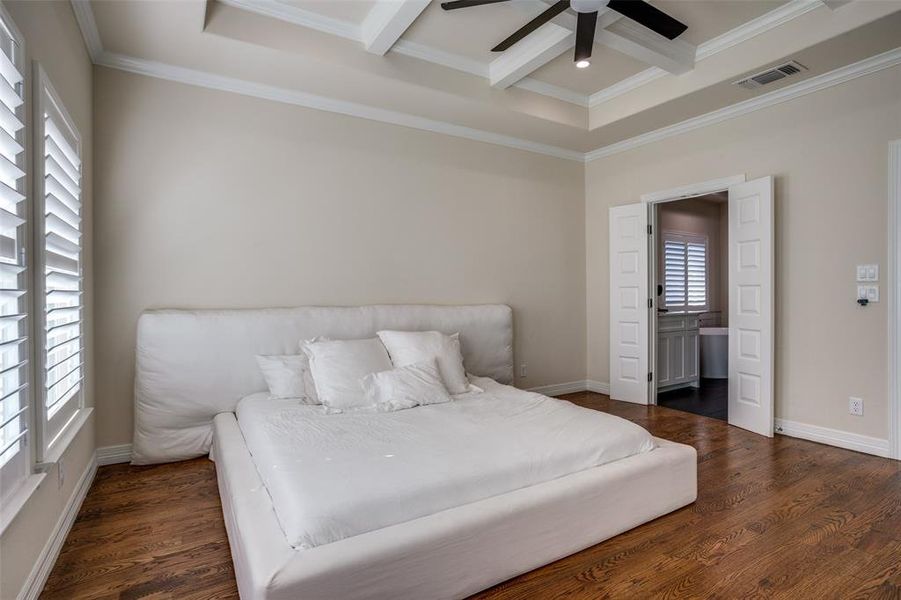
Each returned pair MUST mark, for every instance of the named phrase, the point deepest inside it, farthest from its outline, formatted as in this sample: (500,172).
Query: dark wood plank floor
(711,399)
(780,518)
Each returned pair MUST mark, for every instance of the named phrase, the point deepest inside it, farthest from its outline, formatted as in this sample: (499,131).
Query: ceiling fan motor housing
(587,6)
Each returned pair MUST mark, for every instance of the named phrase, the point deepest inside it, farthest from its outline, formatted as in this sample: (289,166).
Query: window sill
(18,500)
(61,444)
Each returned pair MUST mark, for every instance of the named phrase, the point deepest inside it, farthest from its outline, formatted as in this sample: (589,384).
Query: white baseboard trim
(556,389)
(571,387)
(833,437)
(34,585)
(598,387)
(114,455)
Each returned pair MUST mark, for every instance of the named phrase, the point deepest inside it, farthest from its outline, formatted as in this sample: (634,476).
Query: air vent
(770,75)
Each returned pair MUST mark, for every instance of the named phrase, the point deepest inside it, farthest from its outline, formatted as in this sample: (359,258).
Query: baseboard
(34,585)
(833,437)
(571,387)
(113,455)
(598,387)
(556,389)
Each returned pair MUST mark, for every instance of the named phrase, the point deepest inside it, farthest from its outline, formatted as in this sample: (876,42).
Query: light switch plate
(867,272)
(872,272)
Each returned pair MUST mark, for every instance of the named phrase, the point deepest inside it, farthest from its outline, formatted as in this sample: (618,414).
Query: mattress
(335,476)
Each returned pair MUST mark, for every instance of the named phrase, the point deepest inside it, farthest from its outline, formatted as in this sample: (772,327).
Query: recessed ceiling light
(582,64)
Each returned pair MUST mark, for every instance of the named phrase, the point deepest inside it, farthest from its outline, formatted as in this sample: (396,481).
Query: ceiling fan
(639,11)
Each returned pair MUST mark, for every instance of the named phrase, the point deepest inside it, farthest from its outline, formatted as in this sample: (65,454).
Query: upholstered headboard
(195,364)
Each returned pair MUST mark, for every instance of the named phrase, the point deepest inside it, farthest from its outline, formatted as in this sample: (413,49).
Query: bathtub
(714,352)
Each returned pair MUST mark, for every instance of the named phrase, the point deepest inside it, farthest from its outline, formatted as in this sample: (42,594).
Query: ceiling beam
(545,44)
(387,21)
(630,38)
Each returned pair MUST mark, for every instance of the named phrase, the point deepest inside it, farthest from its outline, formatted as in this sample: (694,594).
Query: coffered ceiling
(412,63)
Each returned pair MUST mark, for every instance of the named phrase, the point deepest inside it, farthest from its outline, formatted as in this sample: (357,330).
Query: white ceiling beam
(630,38)
(387,21)
(545,44)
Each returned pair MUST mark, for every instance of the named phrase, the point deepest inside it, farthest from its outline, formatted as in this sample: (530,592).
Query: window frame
(686,237)
(52,432)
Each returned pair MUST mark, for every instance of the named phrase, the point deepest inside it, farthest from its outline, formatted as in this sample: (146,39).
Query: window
(684,271)
(15,374)
(58,288)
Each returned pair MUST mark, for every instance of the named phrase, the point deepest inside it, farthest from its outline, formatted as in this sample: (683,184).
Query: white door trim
(694,189)
(894,290)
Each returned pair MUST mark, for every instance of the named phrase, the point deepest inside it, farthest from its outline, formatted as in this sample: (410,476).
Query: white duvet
(334,476)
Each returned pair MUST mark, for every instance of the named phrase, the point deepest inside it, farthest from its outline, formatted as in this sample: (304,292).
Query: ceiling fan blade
(455,4)
(585,27)
(653,18)
(532,25)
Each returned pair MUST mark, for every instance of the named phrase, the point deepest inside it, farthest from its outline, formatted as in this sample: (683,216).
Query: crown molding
(733,37)
(299,16)
(85,18)
(762,24)
(84,15)
(802,88)
(268,92)
(553,91)
(440,57)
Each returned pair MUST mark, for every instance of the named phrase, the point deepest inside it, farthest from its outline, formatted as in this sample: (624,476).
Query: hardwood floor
(780,518)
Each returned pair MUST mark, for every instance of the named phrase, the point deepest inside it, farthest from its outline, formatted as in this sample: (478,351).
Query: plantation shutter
(61,284)
(14,301)
(684,272)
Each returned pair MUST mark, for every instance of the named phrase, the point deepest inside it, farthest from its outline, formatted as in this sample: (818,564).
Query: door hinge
(650,229)
(650,377)
(650,303)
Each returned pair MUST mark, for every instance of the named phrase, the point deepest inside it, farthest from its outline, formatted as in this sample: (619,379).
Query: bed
(414,504)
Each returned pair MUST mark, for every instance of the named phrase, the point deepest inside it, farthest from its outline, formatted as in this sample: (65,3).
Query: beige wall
(700,216)
(828,152)
(210,199)
(53,38)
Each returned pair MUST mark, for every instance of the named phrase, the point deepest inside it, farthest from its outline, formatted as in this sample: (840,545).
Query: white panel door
(751,306)
(629,303)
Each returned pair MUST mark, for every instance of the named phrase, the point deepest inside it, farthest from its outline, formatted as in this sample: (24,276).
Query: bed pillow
(286,376)
(411,347)
(405,387)
(339,366)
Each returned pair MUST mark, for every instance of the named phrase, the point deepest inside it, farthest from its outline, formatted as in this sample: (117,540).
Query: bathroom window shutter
(684,271)
(696,274)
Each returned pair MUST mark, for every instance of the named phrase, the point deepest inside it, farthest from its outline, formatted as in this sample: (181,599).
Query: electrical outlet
(855,406)
(522,370)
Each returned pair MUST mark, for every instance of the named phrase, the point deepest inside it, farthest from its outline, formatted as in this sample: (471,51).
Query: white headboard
(195,364)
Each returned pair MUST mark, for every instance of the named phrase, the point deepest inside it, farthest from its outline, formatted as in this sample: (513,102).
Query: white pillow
(406,387)
(411,347)
(286,376)
(338,367)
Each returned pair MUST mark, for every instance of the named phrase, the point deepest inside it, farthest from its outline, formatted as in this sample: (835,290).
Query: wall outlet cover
(855,406)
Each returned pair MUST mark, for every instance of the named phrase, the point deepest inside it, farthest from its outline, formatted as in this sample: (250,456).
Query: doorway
(690,256)
(749,318)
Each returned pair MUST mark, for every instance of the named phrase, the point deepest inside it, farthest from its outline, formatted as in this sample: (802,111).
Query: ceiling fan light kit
(587,16)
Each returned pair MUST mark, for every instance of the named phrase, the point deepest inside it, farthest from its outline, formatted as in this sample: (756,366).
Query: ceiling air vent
(770,75)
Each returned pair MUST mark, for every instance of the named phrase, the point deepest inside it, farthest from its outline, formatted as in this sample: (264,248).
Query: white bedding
(334,476)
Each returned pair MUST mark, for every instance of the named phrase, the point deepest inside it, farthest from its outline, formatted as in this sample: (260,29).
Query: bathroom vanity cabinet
(678,356)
